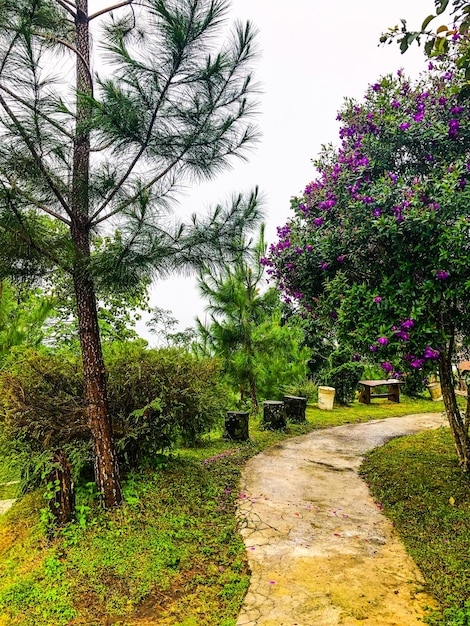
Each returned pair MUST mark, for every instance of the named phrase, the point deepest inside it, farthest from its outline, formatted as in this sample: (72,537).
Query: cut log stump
(236,426)
(274,415)
(295,409)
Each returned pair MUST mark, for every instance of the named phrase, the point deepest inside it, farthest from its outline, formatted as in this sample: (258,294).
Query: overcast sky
(313,54)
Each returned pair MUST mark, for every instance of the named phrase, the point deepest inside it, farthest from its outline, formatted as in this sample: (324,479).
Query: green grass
(170,556)
(422,490)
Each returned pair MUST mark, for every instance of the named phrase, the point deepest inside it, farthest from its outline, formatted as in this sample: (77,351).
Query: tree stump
(295,409)
(62,503)
(236,426)
(274,415)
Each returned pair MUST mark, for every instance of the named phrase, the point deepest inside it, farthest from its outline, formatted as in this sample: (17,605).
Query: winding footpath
(320,550)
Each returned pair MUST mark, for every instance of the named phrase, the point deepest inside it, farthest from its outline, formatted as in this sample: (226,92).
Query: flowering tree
(378,246)
(450,40)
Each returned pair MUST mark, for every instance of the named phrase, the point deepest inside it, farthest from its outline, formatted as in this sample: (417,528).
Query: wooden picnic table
(368,387)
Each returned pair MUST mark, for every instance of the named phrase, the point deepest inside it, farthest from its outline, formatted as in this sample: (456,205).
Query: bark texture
(458,423)
(62,504)
(94,374)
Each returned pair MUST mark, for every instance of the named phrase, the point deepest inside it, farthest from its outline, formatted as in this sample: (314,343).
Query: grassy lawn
(171,555)
(422,490)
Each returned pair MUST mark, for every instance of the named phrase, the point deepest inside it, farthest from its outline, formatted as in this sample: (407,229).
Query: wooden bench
(368,387)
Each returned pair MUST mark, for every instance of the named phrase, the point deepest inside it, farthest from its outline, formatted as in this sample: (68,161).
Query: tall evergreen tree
(103,155)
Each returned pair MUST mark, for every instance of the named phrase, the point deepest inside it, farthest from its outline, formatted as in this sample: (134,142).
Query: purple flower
(340,258)
(429,353)
(383,341)
(308,247)
(402,334)
(377,212)
(377,299)
(407,324)
(318,221)
(453,128)
(442,275)
(356,357)
(376,87)
(430,65)
(404,126)
(333,315)
(395,104)
(325,266)
(373,348)
(417,363)
(386,366)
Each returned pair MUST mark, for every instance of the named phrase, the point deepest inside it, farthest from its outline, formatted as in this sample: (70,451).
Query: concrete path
(320,550)
(5,505)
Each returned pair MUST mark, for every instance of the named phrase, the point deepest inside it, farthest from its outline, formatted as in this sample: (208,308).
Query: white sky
(313,54)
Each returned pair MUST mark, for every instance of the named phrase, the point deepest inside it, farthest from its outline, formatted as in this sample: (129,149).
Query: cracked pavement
(320,550)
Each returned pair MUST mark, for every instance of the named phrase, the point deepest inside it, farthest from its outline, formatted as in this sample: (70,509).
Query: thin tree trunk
(94,374)
(62,504)
(458,424)
(254,399)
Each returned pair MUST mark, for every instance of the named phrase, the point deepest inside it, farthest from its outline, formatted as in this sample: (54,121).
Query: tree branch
(25,234)
(67,6)
(35,156)
(29,106)
(79,54)
(129,201)
(37,204)
(108,9)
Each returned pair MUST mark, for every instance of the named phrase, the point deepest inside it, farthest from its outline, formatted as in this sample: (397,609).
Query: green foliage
(304,387)
(41,410)
(344,374)
(260,351)
(23,313)
(419,484)
(158,396)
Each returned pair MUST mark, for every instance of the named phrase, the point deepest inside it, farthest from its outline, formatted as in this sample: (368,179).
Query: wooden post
(236,426)
(295,409)
(274,415)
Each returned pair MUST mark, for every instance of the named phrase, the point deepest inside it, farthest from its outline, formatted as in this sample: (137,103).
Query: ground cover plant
(172,555)
(417,481)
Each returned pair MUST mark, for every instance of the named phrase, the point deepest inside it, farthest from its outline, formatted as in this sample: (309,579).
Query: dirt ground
(320,549)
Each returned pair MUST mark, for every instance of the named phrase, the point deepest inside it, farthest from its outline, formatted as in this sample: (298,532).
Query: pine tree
(102,155)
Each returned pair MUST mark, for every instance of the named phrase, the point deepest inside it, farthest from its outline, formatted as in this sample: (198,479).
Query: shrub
(343,374)
(159,395)
(41,410)
(155,397)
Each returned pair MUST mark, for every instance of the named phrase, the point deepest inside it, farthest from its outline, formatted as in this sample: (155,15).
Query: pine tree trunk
(94,375)
(458,423)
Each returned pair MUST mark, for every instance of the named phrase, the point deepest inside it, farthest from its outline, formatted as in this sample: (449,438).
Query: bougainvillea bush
(378,245)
